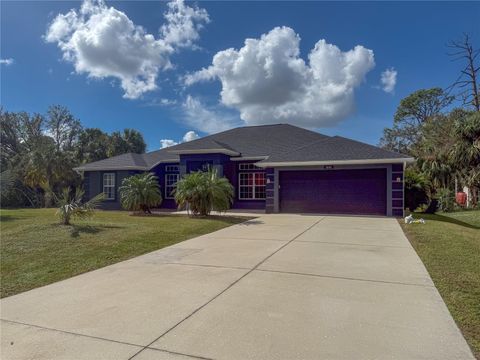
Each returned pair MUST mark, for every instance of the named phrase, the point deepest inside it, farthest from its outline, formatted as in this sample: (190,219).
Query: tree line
(39,151)
(440,128)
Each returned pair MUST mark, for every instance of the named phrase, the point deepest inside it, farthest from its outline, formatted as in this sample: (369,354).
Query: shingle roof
(276,143)
(130,161)
(251,141)
(334,148)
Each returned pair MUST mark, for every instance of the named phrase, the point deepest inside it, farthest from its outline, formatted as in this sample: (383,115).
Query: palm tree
(72,207)
(140,192)
(201,192)
(465,153)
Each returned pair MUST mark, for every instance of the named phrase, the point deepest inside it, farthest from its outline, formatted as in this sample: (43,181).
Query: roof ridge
(207,137)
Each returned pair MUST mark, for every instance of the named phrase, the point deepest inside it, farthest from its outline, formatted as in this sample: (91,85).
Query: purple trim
(397,167)
(397,212)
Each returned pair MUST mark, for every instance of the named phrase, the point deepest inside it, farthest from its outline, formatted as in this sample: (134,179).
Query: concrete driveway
(276,287)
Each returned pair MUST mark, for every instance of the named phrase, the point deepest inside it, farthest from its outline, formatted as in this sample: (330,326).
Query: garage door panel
(334,191)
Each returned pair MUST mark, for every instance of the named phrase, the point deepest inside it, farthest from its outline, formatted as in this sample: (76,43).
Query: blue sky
(339,92)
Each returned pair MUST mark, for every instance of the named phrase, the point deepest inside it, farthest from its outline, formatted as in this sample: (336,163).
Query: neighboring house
(278,168)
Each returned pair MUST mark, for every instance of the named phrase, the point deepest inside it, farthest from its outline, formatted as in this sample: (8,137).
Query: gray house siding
(93,185)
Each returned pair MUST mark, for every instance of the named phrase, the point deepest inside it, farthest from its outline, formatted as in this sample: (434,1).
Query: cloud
(206,119)
(161,102)
(183,24)
(388,79)
(167,143)
(103,42)
(267,81)
(7,62)
(189,136)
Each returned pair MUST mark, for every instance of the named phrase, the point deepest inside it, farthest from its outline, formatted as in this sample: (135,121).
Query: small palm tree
(72,207)
(201,192)
(140,192)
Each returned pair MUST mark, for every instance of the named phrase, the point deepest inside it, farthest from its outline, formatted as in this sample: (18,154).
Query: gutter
(206,151)
(335,162)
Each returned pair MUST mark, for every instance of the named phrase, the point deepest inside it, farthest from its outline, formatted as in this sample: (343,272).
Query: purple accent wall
(397,190)
(160,172)
(230,171)
(270,200)
(195,162)
(226,168)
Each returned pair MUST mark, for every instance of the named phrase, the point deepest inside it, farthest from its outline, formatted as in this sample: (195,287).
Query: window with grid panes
(170,183)
(109,186)
(251,186)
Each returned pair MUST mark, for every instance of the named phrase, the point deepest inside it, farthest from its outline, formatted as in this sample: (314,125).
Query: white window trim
(248,167)
(109,186)
(168,168)
(171,187)
(253,186)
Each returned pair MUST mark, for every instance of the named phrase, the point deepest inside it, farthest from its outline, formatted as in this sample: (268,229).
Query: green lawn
(449,246)
(36,250)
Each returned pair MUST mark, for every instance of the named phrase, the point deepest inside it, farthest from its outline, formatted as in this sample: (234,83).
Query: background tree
(468,82)
(465,152)
(412,112)
(128,141)
(93,145)
(62,127)
(40,152)
(19,133)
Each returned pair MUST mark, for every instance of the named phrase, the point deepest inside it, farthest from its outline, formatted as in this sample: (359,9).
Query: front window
(252,186)
(171,168)
(248,166)
(170,183)
(109,186)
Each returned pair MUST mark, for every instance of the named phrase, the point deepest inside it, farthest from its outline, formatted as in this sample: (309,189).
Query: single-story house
(278,168)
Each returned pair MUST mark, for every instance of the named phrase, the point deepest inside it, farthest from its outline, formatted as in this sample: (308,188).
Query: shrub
(72,207)
(446,200)
(416,189)
(140,192)
(201,192)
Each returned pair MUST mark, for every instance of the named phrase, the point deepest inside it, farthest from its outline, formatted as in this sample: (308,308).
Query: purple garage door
(334,191)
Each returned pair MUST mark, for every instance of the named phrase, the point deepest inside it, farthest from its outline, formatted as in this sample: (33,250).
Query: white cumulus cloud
(267,81)
(189,136)
(102,42)
(167,143)
(203,118)
(388,79)
(7,62)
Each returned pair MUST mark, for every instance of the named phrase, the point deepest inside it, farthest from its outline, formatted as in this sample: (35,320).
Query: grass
(35,250)
(449,246)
